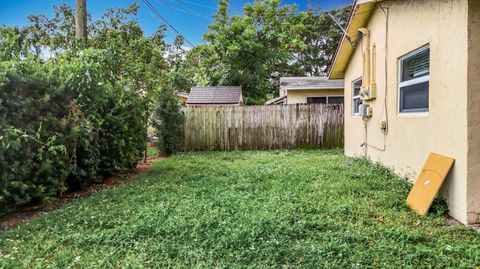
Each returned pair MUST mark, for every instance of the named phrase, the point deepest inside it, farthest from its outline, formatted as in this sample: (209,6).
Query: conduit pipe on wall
(371,84)
(365,35)
(386,12)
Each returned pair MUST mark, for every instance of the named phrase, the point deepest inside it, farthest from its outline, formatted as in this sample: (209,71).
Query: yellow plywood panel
(428,183)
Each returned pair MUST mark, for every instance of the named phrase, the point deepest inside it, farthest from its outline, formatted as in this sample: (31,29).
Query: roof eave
(311,88)
(359,17)
(213,103)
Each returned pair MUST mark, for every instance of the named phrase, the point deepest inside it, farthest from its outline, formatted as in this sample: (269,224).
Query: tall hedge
(169,120)
(63,126)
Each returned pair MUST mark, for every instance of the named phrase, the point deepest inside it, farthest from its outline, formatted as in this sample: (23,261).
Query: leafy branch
(19,134)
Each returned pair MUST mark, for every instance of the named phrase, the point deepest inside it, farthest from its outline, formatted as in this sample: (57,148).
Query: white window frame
(355,97)
(411,82)
(326,96)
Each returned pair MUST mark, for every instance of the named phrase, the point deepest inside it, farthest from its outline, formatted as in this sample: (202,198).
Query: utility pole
(81,19)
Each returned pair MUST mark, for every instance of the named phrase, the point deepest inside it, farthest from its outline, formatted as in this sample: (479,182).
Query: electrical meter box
(365,110)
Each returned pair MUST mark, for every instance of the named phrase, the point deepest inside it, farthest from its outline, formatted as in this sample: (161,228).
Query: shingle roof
(215,95)
(292,83)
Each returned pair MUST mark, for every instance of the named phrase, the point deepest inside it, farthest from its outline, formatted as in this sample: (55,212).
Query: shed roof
(304,83)
(215,95)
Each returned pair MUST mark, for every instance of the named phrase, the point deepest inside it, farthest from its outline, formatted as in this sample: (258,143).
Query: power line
(173,9)
(178,10)
(170,25)
(199,5)
(182,10)
(190,13)
(166,21)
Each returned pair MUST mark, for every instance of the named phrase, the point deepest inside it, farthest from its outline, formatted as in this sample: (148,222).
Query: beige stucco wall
(411,137)
(473,182)
(300,96)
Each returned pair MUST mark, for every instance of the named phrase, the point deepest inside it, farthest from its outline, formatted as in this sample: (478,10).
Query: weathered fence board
(263,127)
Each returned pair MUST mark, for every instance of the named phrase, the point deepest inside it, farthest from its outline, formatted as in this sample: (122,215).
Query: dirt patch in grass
(25,214)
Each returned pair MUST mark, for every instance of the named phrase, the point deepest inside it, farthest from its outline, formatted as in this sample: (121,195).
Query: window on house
(356,99)
(414,81)
(335,99)
(317,100)
(325,100)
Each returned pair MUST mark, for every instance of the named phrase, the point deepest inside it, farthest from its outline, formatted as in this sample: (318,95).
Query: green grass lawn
(152,151)
(272,209)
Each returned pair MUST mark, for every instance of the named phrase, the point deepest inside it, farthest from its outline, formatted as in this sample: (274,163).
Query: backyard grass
(272,209)
(152,150)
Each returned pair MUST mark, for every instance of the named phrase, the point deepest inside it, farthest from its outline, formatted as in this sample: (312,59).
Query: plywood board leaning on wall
(428,183)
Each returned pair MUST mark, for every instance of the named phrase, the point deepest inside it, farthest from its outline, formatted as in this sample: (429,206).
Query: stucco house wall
(473,173)
(444,129)
(299,96)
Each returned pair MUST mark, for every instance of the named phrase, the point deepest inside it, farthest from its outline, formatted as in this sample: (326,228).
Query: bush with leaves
(71,113)
(34,120)
(169,120)
(63,126)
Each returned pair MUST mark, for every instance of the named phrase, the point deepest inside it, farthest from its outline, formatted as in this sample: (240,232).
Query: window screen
(356,100)
(356,87)
(417,65)
(414,81)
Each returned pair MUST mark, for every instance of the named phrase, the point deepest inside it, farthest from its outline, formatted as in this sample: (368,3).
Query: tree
(270,40)
(246,50)
(169,119)
(11,39)
(81,19)
(320,36)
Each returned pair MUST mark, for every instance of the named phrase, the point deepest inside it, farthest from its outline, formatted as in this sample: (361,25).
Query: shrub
(63,126)
(169,120)
(34,121)
(122,132)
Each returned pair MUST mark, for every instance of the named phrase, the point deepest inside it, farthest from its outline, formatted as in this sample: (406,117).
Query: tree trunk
(81,19)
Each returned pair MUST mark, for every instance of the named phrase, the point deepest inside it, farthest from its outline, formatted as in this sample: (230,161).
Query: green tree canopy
(268,41)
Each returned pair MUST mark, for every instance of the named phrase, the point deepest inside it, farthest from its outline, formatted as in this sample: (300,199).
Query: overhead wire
(182,10)
(199,5)
(167,22)
(171,26)
(178,10)
(182,6)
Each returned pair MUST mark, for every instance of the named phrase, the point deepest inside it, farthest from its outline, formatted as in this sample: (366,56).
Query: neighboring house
(216,95)
(412,86)
(309,90)
(182,97)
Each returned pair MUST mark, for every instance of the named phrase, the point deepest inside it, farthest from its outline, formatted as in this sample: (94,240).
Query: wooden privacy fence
(263,127)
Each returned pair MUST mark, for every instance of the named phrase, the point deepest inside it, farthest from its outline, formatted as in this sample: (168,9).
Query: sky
(189,17)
